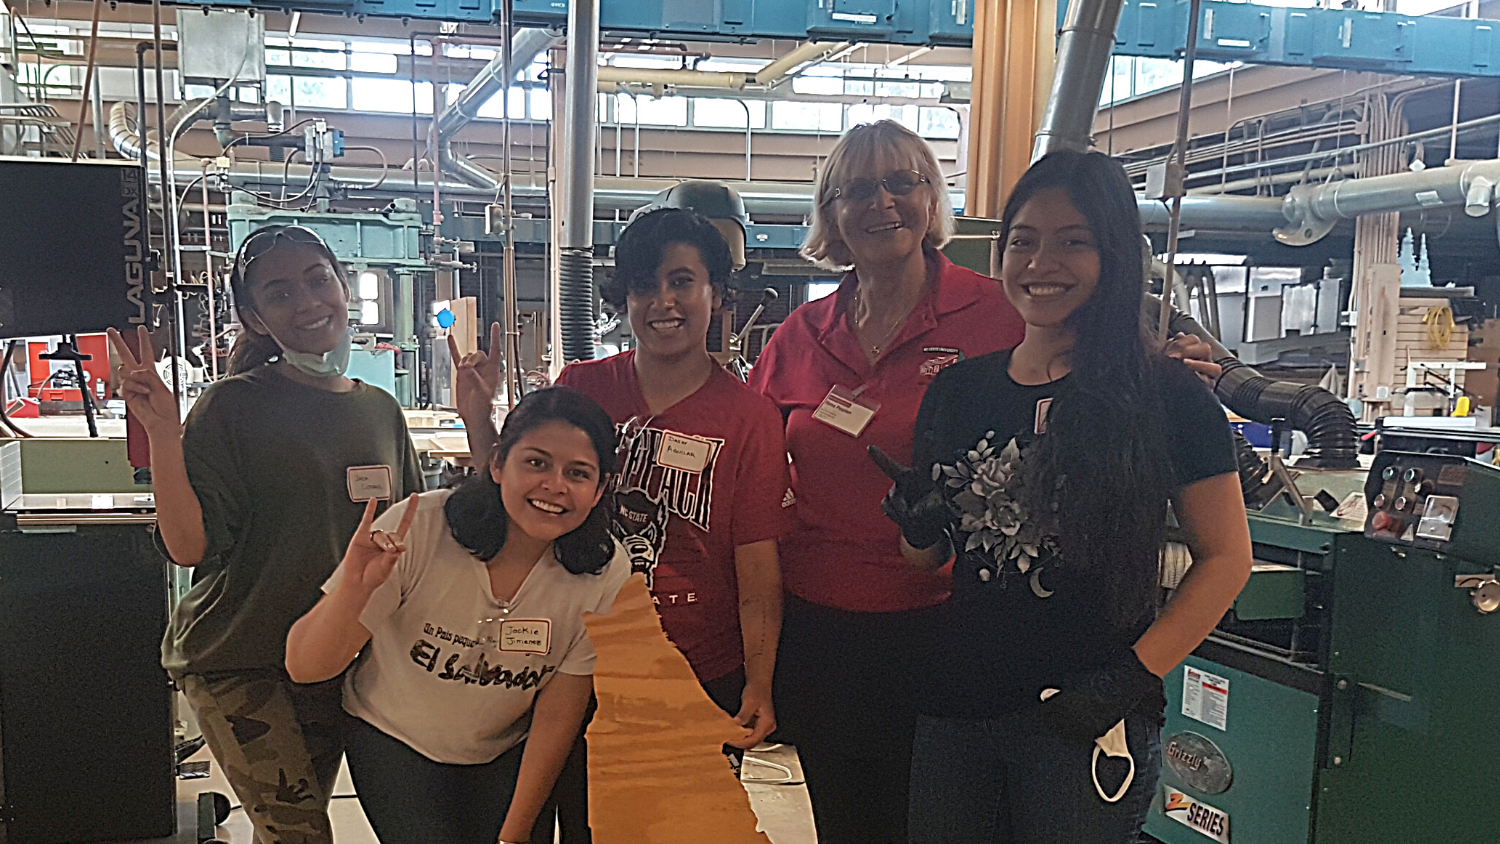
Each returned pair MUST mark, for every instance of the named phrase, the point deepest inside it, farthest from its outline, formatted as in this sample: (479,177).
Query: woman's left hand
(1197,354)
(756,715)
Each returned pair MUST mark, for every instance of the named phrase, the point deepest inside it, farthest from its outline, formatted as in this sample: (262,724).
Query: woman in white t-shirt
(465,609)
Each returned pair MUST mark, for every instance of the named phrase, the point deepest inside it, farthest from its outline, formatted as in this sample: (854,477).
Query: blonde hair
(864,151)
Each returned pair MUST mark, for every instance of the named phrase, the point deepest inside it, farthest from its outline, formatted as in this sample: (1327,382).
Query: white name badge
(526,636)
(1042,407)
(844,409)
(690,454)
(367,482)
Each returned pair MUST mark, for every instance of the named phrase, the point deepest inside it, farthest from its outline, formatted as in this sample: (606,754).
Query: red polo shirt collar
(836,333)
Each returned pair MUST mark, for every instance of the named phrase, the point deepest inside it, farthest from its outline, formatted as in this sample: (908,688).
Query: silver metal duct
(575,285)
(1083,49)
(1312,210)
(526,46)
(1215,213)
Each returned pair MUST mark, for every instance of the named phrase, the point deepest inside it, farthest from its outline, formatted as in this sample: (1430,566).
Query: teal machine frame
(390,240)
(1351,696)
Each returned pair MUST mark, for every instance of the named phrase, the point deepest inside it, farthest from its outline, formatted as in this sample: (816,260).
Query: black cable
(10,352)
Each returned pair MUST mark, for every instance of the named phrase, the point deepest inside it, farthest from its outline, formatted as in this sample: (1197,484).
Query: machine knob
(1390,472)
(1380,501)
(1487,597)
(1403,503)
(1411,475)
(1425,488)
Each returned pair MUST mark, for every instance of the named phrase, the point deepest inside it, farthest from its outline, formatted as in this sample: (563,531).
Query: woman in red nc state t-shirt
(702,478)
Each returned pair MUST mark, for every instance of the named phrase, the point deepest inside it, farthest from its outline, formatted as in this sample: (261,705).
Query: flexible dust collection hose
(576,304)
(1332,441)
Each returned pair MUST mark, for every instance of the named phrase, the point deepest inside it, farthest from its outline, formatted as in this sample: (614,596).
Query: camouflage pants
(279,744)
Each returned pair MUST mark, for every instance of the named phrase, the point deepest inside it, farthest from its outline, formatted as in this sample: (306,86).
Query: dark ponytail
(251,350)
(476,512)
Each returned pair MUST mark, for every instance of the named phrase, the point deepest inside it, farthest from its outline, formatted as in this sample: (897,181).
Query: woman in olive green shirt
(260,492)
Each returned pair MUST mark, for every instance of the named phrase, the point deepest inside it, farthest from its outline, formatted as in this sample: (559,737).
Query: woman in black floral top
(1045,474)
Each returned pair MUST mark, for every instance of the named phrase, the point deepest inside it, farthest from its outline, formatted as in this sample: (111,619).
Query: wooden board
(657,773)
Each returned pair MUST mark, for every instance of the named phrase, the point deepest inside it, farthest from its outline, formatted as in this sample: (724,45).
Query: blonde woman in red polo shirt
(848,371)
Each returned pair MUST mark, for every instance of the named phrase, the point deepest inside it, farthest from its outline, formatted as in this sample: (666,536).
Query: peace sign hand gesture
(476,378)
(146,396)
(372,554)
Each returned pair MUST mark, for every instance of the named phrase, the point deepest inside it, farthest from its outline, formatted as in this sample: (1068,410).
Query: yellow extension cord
(1439,322)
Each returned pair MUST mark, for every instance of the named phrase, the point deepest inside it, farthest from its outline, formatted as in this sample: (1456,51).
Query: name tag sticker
(846,410)
(1042,407)
(526,636)
(677,451)
(367,482)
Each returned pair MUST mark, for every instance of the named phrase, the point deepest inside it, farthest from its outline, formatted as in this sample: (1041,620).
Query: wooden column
(1014,52)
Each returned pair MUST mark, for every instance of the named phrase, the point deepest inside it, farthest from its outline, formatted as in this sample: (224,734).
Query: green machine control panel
(1435,502)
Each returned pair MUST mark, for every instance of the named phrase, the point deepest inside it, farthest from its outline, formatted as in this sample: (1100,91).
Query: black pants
(847,692)
(572,790)
(410,799)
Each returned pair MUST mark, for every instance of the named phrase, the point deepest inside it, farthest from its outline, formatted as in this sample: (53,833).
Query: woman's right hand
(146,395)
(476,378)
(372,554)
(914,502)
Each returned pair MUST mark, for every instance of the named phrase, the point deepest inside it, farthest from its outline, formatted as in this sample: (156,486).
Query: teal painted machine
(1352,696)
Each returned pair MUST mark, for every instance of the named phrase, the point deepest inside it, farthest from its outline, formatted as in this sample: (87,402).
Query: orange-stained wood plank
(657,774)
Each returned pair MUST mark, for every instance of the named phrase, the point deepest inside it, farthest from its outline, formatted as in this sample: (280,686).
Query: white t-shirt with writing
(450,670)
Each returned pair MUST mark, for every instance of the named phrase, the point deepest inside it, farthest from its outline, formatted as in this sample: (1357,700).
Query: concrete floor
(783,810)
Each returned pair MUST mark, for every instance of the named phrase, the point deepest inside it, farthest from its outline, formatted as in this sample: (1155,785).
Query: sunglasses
(263,240)
(898,183)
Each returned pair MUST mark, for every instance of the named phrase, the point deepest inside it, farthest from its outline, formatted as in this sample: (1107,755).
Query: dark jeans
(1012,780)
(572,790)
(847,689)
(410,799)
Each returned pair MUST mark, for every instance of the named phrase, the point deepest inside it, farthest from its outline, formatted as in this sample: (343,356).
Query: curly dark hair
(476,513)
(638,253)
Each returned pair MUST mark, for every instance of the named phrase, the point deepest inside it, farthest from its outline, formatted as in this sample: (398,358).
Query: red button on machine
(1380,521)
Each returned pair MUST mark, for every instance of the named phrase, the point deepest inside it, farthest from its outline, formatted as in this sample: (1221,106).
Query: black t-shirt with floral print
(1019,619)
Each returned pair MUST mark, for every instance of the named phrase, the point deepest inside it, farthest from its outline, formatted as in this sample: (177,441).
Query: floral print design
(984,490)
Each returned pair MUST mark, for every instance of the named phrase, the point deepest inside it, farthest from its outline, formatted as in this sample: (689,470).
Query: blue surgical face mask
(330,364)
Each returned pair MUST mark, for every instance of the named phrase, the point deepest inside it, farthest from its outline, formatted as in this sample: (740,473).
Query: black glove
(914,503)
(1089,703)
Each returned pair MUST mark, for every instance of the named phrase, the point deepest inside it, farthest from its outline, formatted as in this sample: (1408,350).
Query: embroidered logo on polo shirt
(942,359)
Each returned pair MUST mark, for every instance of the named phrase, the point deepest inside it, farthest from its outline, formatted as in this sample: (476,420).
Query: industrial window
(728,114)
(389,95)
(808,117)
(318,92)
(937,123)
(666,111)
(495,106)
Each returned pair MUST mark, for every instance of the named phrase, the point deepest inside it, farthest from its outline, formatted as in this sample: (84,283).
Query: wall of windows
(370,76)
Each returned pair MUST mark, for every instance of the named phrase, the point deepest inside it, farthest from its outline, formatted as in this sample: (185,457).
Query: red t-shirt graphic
(692,483)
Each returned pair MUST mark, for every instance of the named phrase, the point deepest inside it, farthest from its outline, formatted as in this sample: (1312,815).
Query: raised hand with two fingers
(373,553)
(476,377)
(146,396)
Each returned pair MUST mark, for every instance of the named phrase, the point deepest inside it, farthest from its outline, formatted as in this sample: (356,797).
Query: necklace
(876,345)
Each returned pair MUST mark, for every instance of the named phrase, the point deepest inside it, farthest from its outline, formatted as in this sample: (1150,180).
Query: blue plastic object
(445,318)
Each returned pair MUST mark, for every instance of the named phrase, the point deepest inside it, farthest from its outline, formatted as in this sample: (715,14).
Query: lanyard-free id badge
(847,410)
(367,482)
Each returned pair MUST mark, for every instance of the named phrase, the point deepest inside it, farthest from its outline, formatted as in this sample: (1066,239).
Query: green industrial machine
(1352,696)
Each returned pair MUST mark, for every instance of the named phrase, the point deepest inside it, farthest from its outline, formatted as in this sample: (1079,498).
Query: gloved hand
(914,503)
(1089,703)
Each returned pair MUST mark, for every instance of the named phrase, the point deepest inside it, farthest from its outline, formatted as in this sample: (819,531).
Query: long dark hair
(1104,454)
(476,513)
(251,348)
